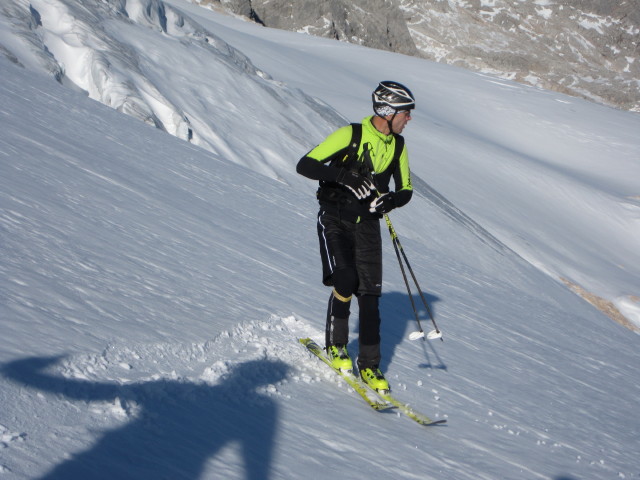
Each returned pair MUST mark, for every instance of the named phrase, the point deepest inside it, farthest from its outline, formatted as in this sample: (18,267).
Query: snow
(153,287)
(544,12)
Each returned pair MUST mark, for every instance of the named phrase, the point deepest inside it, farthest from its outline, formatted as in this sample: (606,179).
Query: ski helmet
(391,97)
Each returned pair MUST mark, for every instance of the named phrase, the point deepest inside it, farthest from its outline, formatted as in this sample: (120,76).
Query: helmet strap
(390,122)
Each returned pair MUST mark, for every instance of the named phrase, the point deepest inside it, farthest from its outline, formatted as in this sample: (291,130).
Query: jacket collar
(368,125)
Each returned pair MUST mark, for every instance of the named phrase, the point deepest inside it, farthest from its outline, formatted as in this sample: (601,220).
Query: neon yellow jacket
(325,161)
(381,148)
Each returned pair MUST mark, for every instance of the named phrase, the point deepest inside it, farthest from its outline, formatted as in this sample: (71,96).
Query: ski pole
(398,248)
(420,333)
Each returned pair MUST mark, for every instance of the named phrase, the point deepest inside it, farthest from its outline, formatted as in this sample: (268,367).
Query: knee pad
(345,282)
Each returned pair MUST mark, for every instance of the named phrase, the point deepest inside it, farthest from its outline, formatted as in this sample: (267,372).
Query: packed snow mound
(152,402)
(117,51)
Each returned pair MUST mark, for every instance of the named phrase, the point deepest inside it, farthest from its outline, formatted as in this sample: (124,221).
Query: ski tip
(383,406)
(434,423)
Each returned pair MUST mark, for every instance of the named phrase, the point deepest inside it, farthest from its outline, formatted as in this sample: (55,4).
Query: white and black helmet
(392,97)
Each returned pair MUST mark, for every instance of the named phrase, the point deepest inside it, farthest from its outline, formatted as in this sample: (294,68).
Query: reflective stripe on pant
(349,245)
(351,256)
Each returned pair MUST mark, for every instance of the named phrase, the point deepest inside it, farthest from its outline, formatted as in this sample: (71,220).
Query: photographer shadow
(177,426)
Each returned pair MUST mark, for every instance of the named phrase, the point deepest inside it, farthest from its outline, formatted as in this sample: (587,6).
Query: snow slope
(568,171)
(152,289)
(164,62)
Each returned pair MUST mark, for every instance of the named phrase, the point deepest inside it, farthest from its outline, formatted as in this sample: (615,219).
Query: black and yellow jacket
(325,161)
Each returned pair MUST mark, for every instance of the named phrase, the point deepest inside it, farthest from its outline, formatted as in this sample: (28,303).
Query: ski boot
(339,357)
(375,379)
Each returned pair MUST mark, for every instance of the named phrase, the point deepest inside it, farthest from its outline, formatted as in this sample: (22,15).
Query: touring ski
(408,411)
(353,381)
(386,399)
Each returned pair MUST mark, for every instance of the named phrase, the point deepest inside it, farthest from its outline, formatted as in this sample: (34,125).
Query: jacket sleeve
(402,197)
(315,164)
(402,180)
(315,170)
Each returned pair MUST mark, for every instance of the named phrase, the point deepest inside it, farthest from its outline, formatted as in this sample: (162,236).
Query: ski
(387,400)
(408,411)
(353,381)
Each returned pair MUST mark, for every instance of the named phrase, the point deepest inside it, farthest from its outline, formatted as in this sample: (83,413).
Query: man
(354,166)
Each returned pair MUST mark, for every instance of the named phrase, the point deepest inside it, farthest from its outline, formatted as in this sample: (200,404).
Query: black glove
(383,204)
(360,186)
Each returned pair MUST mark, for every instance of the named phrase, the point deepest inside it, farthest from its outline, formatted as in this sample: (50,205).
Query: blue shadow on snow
(398,320)
(179,425)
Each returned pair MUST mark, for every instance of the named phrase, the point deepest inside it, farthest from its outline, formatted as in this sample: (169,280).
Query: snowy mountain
(582,48)
(104,48)
(153,285)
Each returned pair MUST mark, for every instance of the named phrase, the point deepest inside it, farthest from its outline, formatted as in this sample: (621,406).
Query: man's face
(400,120)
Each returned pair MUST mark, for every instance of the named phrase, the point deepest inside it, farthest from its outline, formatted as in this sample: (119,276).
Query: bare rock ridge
(584,48)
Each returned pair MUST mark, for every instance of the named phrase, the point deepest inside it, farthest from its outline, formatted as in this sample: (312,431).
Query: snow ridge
(98,48)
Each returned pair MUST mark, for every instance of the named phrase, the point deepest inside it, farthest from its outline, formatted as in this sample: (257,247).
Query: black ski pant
(351,254)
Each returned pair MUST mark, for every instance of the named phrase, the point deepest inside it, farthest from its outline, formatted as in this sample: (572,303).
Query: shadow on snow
(398,320)
(179,425)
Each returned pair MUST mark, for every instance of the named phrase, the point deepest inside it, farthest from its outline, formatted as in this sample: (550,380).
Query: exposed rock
(585,48)
(373,23)
(605,306)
